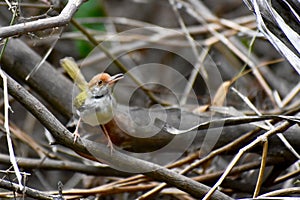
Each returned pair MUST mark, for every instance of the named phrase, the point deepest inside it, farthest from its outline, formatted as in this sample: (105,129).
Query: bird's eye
(99,82)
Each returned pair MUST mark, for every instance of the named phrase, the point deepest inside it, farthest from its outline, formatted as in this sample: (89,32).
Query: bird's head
(100,84)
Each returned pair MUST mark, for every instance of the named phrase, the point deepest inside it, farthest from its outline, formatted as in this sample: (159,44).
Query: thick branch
(18,60)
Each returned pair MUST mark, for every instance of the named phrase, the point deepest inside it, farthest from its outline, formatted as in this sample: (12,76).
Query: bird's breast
(96,111)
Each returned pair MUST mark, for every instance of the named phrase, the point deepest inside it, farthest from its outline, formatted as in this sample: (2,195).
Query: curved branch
(62,19)
(18,61)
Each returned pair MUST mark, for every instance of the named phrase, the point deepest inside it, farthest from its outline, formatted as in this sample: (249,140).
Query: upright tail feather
(74,72)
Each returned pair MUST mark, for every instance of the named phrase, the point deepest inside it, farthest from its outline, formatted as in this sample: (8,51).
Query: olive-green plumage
(74,72)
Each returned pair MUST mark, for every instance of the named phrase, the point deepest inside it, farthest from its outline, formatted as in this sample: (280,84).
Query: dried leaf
(201,109)
(221,94)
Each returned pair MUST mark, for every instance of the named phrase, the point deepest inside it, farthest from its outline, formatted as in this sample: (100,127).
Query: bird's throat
(99,96)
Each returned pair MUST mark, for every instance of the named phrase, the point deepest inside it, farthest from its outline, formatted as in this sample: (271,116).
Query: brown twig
(49,164)
(41,151)
(281,192)
(262,169)
(280,128)
(287,176)
(36,194)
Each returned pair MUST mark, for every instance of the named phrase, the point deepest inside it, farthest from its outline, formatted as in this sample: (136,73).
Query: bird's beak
(115,78)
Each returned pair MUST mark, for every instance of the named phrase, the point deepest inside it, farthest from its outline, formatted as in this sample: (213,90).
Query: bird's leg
(76,134)
(109,144)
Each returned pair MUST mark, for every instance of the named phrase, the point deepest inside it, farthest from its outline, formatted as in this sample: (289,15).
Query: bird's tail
(70,66)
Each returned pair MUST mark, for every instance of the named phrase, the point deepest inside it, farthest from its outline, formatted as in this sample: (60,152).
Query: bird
(95,103)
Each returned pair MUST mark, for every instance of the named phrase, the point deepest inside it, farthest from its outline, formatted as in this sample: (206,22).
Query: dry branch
(62,19)
(29,192)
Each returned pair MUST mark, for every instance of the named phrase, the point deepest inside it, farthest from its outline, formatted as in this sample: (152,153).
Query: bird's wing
(80,98)
(74,72)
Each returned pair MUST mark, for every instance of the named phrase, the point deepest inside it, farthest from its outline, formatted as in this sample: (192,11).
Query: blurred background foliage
(92,8)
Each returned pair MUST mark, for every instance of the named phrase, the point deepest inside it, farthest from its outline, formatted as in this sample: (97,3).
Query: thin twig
(41,151)
(36,194)
(14,11)
(51,164)
(286,177)
(210,156)
(229,121)
(291,95)
(135,184)
(30,5)
(262,169)
(53,44)
(282,192)
(6,125)
(199,67)
(281,137)
(280,128)
(197,14)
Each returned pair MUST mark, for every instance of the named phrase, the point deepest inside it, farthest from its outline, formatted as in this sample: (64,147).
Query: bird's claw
(76,135)
(110,145)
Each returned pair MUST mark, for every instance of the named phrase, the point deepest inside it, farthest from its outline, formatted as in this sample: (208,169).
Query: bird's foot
(76,135)
(110,145)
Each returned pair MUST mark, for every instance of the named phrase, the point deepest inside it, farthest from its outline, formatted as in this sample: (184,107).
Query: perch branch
(62,19)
